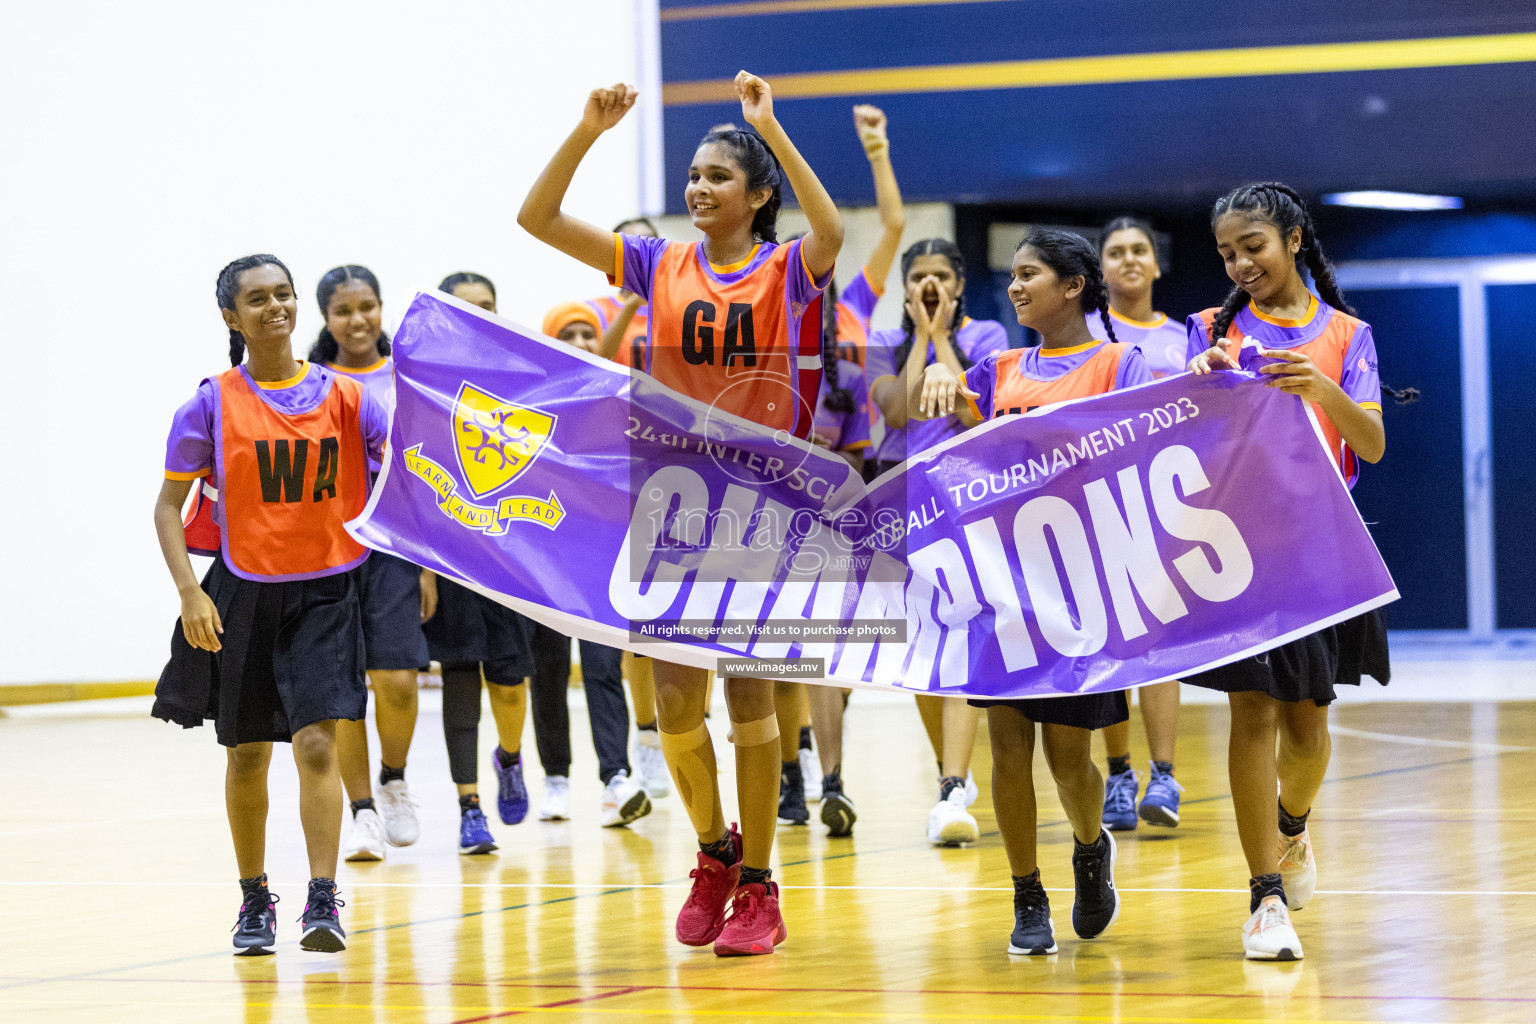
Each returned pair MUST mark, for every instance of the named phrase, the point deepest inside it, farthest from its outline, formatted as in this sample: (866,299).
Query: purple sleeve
(1362,379)
(860,297)
(189,448)
(987,338)
(880,355)
(799,285)
(1133,370)
(635,257)
(980,379)
(373,418)
(856,424)
(1199,337)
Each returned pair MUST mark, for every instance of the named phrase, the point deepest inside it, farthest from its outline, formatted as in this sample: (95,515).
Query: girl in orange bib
(1313,347)
(1056,280)
(270,645)
(735,322)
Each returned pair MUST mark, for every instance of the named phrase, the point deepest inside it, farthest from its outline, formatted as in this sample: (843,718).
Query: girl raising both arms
(738,278)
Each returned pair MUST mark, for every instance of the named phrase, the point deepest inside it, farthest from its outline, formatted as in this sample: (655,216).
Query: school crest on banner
(494,441)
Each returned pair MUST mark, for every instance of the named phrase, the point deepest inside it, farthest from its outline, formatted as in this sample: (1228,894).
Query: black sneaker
(1097,903)
(792,810)
(1034,933)
(256,927)
(837,811)
(322,924)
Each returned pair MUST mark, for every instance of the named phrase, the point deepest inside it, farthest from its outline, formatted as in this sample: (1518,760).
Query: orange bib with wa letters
(290,481)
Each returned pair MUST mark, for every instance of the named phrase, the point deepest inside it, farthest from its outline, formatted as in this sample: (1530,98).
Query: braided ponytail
(1100,301)
(839,399)
(1236,299)
(227,288)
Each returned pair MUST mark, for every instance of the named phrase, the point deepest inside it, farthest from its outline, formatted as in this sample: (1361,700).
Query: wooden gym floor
(117,885)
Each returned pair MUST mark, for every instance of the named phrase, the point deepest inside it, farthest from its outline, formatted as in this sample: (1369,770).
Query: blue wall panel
(1512,358)
(1413,498)
(1464,130)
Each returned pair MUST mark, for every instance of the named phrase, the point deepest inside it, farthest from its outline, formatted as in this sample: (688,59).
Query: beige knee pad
(755,734)
(694,775)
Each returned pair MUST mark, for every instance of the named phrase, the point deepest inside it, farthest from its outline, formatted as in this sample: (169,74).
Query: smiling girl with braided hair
(1315,348)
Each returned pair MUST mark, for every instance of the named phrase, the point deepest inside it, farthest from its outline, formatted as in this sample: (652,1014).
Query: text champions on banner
(1095,545)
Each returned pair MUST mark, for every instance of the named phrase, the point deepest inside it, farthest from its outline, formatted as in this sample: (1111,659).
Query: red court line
(551,1006)
(316,982)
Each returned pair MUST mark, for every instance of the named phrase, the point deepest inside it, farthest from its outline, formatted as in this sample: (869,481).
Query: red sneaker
(703,914)
(755,925)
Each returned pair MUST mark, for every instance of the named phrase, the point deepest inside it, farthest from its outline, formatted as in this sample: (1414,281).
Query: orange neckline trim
(278,385)
(1162,318)
(383,360)
(1311,312)
(731,268)
(1053,353)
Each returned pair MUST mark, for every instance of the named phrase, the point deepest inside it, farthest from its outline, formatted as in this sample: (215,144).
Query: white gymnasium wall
(148,144)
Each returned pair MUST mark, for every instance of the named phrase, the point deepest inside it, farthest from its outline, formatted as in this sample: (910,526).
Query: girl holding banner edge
(733,197)
(1128,253)
(1056,280)
(1315,349)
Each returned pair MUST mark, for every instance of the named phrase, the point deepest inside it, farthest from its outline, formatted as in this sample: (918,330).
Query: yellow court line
(713,1014)
(711,11)
(54,693)
(1304,59)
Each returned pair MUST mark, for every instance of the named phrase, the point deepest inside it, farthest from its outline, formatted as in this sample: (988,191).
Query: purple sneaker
(474,834)
(511,793)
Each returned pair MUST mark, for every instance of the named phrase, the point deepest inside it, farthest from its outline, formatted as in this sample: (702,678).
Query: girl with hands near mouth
(734,324)
(934,330)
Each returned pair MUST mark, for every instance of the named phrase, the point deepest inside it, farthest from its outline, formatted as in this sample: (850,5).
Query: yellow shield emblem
(494,439)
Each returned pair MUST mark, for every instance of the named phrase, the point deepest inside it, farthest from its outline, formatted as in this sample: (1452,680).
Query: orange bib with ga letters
(290,481)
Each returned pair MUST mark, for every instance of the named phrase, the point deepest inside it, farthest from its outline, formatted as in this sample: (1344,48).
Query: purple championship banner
(1096,545)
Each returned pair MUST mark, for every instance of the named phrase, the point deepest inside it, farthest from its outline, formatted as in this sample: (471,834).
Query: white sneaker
(623,801)
(1268,934)
(971,792)
(651,764)
(556,802)
(1298,869)
(398,809)
(367,839)
(810,771)
(948,822)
